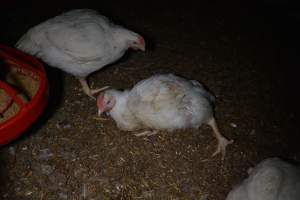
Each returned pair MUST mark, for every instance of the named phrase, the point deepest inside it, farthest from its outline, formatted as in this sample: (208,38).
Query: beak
(140,47)
(99,113)
(142,43)
(143,48)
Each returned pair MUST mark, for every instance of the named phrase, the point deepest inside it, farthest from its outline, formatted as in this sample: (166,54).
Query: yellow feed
(26,87)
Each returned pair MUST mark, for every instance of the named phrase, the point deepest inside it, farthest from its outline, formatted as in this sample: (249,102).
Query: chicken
(272,179)
(79,42)
(162,102)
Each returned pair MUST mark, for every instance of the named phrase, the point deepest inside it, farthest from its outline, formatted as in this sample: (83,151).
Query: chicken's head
(105,102)
(127,39)
(138,43)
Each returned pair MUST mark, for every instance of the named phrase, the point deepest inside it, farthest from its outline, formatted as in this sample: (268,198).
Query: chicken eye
(108,102)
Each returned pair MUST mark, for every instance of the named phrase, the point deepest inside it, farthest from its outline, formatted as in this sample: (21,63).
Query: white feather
(78,42)
(121,114)
(272,179)
(164,102)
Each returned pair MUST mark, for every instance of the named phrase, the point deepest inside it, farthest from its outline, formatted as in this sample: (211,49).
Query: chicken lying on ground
(79,42)
(162,102)
(272,179)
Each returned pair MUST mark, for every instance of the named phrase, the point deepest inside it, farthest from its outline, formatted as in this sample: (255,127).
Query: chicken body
(272,179)
(79,42)
(162,102)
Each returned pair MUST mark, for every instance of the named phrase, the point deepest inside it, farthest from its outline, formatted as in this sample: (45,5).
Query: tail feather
(28,45)
(204,91)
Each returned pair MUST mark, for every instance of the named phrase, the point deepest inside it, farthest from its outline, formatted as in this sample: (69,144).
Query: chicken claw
(222,143)
(95,91)
(87,90)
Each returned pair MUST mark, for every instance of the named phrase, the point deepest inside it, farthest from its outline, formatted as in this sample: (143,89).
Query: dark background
(245,52)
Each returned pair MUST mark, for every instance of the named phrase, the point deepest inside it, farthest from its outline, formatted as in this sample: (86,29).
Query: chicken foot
(222,141)
(87,90)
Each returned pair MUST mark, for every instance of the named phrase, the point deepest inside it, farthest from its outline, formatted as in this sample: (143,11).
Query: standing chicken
(79,42)
(272,179)
(162,102)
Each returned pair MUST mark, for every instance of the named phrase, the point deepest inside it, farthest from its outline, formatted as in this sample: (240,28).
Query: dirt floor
(245,54)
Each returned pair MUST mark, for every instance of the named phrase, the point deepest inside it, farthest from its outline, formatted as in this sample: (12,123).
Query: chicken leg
(222,141)
(87,90)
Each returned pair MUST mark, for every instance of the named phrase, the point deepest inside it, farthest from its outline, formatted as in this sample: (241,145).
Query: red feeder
(28,112)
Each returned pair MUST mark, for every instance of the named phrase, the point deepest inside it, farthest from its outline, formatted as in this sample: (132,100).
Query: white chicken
(162,102)
(272,179)
(79,42)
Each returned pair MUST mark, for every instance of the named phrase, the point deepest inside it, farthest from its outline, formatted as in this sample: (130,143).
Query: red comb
(142,41)
(100,101)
